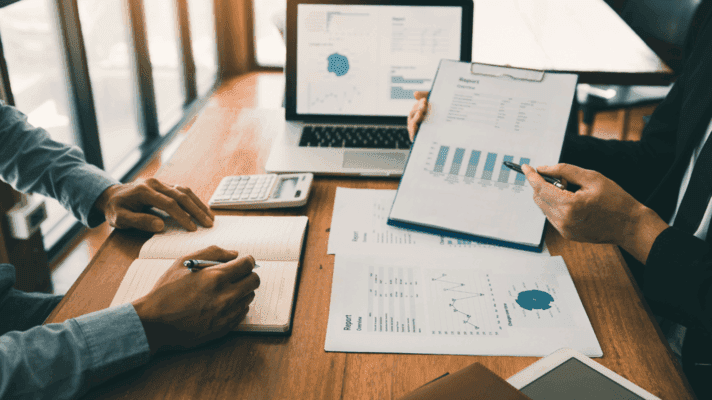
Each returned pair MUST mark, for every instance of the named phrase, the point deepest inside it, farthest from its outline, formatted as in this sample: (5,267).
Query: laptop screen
(369,59)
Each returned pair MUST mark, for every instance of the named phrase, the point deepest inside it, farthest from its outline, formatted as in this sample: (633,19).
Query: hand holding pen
(197,265)
(554,181)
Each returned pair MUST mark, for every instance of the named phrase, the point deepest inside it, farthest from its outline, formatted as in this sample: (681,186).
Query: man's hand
(124,206)
(417,114)
(185,309)
(599,212)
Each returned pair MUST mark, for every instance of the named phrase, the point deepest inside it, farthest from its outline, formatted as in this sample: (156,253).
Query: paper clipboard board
(442,167)
(496,71)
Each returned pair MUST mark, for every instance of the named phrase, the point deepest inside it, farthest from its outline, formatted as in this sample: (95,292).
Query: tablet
(568,374)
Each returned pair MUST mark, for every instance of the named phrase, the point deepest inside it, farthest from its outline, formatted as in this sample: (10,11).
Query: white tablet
(568,374)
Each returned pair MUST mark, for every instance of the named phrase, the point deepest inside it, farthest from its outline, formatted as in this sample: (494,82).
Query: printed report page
(455,178)
(447,303)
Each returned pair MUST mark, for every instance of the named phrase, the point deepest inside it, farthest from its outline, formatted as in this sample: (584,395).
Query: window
(60,51)
(163,47)
(202,32)
(31,44)
(106,38)
(270,18)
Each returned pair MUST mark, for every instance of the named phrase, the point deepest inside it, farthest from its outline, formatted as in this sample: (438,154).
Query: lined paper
(265,238)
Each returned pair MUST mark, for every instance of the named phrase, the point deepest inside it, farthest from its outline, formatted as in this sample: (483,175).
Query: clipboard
(496,71)
(482,115)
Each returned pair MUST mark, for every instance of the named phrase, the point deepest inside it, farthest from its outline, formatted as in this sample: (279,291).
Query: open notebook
(274,242)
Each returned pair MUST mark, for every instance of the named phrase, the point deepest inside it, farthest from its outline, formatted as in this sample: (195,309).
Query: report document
(455,182)
(450,303)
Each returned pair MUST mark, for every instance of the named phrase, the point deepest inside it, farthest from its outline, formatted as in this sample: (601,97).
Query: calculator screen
(286,188)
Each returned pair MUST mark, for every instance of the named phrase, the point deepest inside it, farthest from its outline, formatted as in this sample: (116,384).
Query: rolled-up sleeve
(64,360)
(32,162)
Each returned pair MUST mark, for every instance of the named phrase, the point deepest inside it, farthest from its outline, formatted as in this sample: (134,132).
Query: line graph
(454,289)
(463,303)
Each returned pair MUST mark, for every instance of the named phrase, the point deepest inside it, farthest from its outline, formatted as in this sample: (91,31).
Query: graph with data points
(463,303)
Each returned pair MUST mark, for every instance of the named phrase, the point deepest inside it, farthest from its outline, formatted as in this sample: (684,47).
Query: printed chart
(458,164)
(462,302)
(487,304)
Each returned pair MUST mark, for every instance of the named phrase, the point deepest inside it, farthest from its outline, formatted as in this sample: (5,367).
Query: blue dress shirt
(64,360)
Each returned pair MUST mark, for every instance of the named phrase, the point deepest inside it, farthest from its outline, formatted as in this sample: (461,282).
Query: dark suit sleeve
(678,279)
(638,167)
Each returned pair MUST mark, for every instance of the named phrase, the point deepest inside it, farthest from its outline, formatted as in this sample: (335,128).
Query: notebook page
(271,307)
(140,279)
(264,238)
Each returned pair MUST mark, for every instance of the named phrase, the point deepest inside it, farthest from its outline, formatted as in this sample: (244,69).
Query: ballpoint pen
(197,265)
(554,181)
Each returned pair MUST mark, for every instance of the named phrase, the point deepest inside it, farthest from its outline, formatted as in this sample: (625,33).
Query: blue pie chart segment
(338,64)
(534,300)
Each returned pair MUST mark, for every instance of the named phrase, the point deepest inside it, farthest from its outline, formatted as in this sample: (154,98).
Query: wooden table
(237,139)
(582,36)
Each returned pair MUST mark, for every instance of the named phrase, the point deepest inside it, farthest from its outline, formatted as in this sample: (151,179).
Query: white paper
(265,238)
(359,226)
(455,178)
(464,304)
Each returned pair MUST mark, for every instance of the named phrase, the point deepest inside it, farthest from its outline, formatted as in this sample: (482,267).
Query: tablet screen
(576,380)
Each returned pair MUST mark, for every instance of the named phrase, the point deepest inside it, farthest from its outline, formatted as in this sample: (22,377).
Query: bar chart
(458,164)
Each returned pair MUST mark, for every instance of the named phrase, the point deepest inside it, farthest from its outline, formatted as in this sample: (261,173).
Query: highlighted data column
(472,164)
(457,161)
(489,166)
(504,171)
(519,180)
(442,156)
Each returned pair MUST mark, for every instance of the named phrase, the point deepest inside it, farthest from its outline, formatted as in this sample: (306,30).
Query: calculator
(251,192)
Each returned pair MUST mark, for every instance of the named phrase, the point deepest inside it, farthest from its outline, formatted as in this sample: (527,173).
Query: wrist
(103,200)
(640,232)
(150,325)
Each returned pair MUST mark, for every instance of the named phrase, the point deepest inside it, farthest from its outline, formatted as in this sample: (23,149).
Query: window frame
(81,101)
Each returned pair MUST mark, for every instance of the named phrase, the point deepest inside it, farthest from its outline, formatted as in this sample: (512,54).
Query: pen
(197,265)
(554,181)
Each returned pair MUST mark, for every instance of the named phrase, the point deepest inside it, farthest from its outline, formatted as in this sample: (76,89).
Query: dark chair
(669,28)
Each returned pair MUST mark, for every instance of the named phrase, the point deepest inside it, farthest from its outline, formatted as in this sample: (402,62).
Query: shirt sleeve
(32,162)
(63,361)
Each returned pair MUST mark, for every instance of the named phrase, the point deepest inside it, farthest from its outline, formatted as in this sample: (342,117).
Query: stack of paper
(400,291)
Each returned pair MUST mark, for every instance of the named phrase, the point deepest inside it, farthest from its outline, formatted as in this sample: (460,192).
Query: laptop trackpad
(374,160)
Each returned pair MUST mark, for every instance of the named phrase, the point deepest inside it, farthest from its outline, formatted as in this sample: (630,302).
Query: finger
(197,201)
(236,269)
(239,317)
(535,180)
(548,193)
(156,199)
(146,222)
(186,202)
(212,253)
(571,173)
(237,290)
(421,94)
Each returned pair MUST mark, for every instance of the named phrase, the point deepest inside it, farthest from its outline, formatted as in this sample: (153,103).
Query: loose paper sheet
(358,225)
(465,304)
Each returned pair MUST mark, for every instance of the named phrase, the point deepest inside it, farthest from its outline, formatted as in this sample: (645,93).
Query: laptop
(352,68)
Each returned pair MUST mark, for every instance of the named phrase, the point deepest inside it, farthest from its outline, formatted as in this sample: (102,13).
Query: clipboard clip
(496,71)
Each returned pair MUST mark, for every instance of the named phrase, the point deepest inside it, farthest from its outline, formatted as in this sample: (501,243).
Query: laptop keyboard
(348,136)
